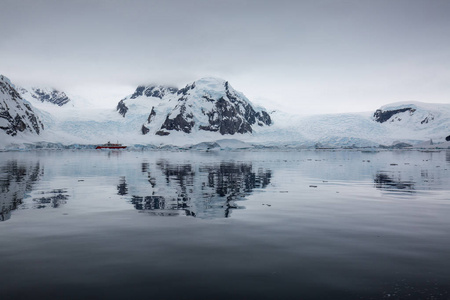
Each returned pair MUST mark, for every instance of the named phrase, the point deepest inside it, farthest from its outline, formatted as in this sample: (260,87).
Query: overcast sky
(317,56)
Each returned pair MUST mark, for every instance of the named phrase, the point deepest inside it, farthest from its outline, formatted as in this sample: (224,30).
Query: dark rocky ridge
(46,95)
(18,114)
(153,91)
(56,97)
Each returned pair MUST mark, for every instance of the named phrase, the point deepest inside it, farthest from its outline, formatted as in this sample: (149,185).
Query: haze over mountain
(311,57)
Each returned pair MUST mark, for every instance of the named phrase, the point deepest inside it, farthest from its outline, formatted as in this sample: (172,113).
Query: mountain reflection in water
(15,181)
(198,184)
(54,199)
(389,183)
(205,191)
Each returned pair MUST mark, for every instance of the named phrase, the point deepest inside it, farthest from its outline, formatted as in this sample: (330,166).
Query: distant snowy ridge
(414,113)
(410,123)
(16,115)
(422,120)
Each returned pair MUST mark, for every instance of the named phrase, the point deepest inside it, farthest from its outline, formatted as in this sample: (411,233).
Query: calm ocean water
(225,225)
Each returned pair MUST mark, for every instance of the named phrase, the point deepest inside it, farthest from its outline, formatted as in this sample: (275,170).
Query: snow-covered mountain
(210,114)
(16,114)
(208,104)
(44,95)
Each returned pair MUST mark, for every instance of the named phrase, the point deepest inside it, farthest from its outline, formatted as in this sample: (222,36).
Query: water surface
(242,225)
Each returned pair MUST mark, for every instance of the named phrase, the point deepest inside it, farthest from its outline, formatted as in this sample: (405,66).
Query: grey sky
(299,56)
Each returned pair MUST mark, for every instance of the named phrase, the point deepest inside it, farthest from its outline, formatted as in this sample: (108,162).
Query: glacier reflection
(204,191)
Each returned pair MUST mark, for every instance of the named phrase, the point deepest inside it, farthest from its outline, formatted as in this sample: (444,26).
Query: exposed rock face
(182,122)
(162,133)
(122,108)
(383,116)
(427,119)
(49,95)
(447,138)
(151,115)
(15,114)
(144,129)
(208,104)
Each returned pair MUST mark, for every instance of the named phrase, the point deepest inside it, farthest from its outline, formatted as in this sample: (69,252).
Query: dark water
(227,225)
